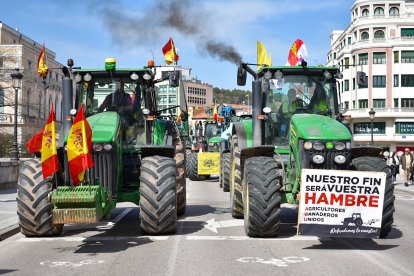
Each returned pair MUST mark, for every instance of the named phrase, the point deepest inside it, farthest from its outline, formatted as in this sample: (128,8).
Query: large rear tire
(261,197)
(180,160)
(158,195)
(33,206)
(368,163)
(226,171)
(236,201)
(193,166)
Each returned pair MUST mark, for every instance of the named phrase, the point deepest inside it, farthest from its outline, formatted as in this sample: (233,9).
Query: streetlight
(371,117)
(17,84)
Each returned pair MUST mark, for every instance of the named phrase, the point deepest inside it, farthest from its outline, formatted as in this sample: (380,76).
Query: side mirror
(241,76)
(174,78)
(362,78)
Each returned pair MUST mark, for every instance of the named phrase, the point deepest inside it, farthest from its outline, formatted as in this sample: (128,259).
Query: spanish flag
(170,52)
(49,151)
(35,144)
(215,115)
(42,68)
(79,147)
(262,56)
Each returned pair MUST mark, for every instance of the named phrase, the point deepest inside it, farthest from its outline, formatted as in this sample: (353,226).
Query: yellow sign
(208,163)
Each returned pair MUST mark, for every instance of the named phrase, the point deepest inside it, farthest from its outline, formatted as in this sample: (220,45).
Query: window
(379,58)
(407,102)
(1,62)
(407,80)
(28,102)
(353,105)
(407,32)
(380,103)
(1,100)
(407,56)
(378,81)
(394,11)
(364,86)
(396,102)
(346,105)
(379,11)
(334,55)
(379,34)
(349,40)
(353,83)
(396,80)
(363,59)
(365,12)
(172,99)
(346,63)
(346,85)
(364,36)
(362,103)
(396,56)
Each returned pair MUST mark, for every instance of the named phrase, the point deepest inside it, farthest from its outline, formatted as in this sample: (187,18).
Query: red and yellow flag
(49,151)
(42,68)
(170,52)
(215,115)
(297,53)
(79,147)
(35,144)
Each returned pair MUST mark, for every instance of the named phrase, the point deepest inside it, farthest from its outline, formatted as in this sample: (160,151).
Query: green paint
(214,140)
(248,127)
(159,132)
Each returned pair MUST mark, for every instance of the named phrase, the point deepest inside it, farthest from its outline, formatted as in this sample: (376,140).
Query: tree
(232,96)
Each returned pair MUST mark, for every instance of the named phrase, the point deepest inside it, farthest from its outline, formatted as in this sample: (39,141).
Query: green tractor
(205,155)
(269,151)
(138,156)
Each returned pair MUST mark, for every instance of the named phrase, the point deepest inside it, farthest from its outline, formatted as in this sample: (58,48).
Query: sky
(212,36)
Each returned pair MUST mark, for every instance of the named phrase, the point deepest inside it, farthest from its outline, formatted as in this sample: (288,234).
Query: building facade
(198,93)
(35,98)
(378,41)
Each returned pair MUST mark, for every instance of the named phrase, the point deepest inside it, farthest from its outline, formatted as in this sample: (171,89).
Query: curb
(9,231)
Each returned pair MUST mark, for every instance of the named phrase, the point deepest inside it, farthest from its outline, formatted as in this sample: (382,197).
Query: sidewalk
(9,222)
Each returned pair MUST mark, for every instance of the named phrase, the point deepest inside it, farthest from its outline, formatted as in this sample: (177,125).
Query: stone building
(35,97)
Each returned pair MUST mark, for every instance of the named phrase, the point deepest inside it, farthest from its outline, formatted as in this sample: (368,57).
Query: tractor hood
(104,126)
(317,127)
(216,139)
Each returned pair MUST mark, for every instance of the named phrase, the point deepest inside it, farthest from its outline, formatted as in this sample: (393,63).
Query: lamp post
(371,117)
(16,84)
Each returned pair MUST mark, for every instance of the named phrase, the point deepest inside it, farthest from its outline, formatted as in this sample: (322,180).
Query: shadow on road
(350,244)
(6,271)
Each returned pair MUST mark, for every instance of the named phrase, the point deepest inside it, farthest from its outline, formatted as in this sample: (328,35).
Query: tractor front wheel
(158,195)
(261,197)
(34,208)
(192,166)
(376,164)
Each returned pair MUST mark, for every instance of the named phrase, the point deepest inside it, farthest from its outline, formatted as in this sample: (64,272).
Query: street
(208,242)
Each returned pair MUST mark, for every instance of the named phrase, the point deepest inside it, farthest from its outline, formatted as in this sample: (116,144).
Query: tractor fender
(240,129)
(161,150)
(254,152)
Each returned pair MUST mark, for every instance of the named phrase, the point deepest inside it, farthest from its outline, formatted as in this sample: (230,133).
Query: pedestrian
(390,164)
(396,162)
(407,165)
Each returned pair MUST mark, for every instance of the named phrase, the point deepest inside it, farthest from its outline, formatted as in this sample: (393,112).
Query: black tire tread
(34,209)
(158,195)
(226,171)
(236,201)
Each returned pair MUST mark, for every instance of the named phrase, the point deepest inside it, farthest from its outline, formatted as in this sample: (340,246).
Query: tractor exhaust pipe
(67,99)
(256,111)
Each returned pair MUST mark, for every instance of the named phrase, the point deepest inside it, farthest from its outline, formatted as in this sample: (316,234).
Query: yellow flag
(262,56)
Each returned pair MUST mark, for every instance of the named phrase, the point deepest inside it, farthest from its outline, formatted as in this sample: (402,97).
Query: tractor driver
(287,109)
(318,103)
(116,101)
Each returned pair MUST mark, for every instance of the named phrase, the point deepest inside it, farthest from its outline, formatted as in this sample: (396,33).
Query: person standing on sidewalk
(407,165)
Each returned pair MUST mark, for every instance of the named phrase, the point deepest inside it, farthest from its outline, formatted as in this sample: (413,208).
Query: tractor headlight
(97,147)
(318,159)
(210,144)
(307,145)
(107,147)
(339,145)
(340,159)
(318,145)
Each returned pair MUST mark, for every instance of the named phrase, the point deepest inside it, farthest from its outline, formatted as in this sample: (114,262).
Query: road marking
(212,225)
(8,212)
(81,239)
(70,264)
(112,223)
(245,238)
(275,262)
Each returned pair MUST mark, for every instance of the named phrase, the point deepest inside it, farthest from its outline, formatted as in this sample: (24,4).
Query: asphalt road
(208,242)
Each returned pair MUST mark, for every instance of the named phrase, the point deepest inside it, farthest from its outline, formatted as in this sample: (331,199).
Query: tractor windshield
(212,130)
(294,94)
